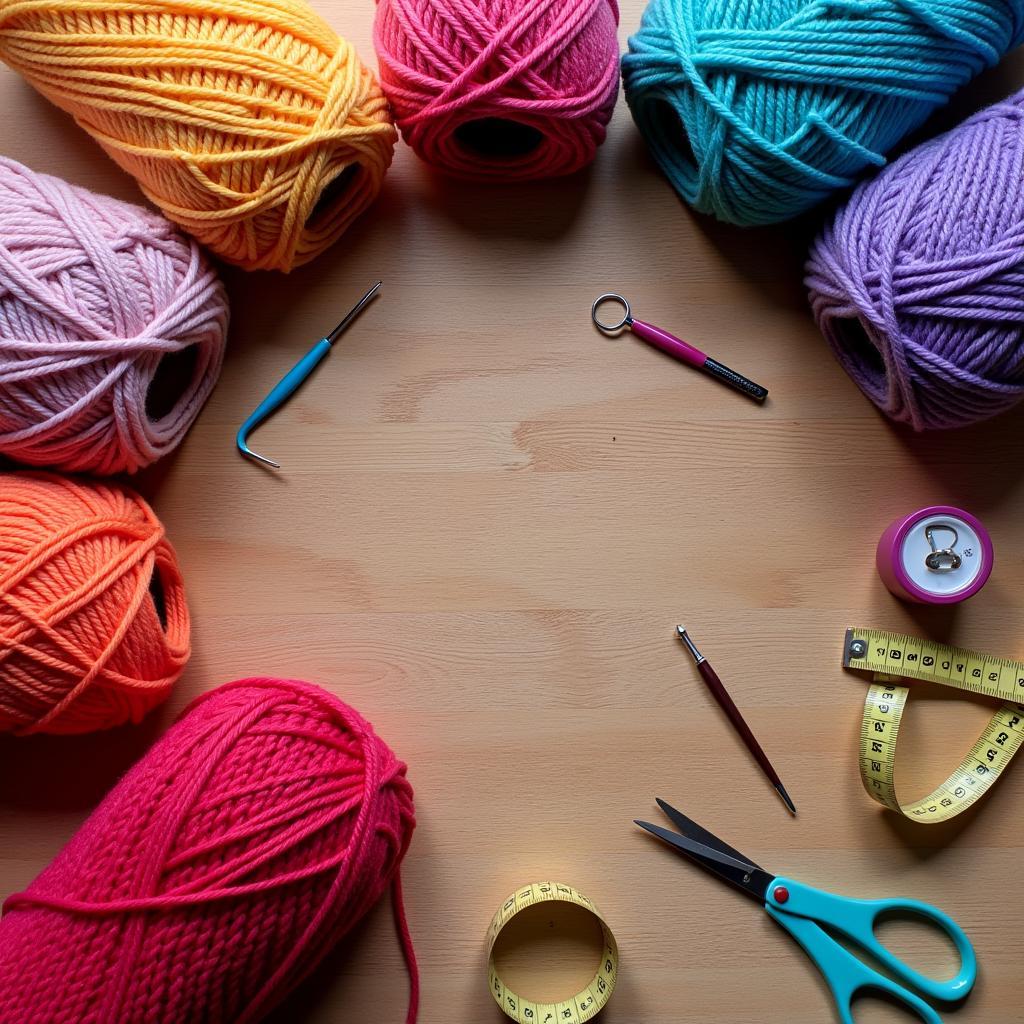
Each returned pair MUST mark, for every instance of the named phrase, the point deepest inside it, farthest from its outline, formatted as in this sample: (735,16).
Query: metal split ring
(627,315)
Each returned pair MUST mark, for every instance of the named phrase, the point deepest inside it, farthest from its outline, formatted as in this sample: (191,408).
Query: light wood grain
(488,523)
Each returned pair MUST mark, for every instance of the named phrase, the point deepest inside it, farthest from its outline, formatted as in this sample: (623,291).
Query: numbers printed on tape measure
(891,656)
(579,1008)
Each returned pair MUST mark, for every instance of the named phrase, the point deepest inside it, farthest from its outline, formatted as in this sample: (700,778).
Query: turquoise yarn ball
(756,110)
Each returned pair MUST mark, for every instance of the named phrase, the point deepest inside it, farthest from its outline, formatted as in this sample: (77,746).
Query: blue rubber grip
(283,390)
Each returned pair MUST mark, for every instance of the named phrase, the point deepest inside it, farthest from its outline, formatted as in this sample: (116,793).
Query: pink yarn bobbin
(112,328)
(220,870)
(501,90)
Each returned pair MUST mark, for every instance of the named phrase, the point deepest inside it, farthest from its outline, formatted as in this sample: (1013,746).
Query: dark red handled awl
(720,694)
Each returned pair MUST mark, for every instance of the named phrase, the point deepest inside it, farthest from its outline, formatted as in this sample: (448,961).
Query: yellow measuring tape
(584,1005)
(892,656)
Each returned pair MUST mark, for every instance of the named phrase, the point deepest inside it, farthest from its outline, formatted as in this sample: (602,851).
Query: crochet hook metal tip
(246,450)
(353,313)
(294,378)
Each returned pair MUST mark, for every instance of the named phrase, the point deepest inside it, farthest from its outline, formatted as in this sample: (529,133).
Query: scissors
(803,912)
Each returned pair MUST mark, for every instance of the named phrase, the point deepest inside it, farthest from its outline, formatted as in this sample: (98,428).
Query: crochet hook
(293,379)
(719,692)
(675,347)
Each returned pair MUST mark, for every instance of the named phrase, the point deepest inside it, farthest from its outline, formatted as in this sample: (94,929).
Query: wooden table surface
(490,520)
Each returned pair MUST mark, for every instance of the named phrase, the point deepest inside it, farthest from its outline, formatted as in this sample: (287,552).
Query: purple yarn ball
(918,281)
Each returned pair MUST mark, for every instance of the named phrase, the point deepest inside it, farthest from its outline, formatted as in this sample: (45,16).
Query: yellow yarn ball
(249,123)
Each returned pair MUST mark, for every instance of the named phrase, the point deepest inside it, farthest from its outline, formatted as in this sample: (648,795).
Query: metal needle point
(353,313)
(786,798)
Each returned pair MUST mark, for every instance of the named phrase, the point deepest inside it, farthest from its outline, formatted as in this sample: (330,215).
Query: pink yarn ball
(218,872)
(501,90)
(112,328)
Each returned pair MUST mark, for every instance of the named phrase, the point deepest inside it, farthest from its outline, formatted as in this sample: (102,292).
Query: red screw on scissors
(674,347)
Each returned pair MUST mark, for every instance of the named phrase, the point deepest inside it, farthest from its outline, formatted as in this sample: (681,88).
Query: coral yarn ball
(500,90)
(112,328)
(250,123)
(917,282)
(756,110)
(94,629)
(218,872)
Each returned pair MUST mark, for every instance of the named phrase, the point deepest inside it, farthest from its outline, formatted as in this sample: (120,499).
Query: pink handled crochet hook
(675,347)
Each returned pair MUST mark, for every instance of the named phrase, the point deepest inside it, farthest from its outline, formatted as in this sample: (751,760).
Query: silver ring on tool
(627,316)
(942,559)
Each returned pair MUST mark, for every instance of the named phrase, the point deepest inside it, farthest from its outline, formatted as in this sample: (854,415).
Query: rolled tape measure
(584,1005)
(936,555)
(893,656)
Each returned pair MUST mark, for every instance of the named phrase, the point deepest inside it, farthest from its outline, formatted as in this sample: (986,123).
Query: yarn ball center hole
(498,138)
(175,374)
(159,596)
(666,123)
(549,952)
(859,348)
(334,193)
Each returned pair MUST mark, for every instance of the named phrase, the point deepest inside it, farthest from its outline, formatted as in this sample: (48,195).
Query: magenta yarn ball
(500,90)
(112,328)
(917,282)
(219,872)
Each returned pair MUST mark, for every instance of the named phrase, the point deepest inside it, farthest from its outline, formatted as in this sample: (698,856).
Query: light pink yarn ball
(112,328)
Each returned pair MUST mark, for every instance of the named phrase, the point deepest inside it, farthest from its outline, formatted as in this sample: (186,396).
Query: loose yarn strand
(408,952)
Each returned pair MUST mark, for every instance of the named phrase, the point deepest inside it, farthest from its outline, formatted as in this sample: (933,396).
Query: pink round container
(937,555)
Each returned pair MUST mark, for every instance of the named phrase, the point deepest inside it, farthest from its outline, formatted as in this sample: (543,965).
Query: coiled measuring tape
(582,1006)
(892,656)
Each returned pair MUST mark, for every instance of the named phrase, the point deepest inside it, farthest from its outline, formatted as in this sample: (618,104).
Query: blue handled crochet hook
(293,379)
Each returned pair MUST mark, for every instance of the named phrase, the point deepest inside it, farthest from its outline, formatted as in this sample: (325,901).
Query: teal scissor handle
(281,392)
(803,911)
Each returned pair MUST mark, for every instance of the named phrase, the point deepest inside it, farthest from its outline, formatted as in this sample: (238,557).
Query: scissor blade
(691,829)
(745,877)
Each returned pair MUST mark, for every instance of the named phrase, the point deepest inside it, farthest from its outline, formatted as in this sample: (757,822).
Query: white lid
(966,543)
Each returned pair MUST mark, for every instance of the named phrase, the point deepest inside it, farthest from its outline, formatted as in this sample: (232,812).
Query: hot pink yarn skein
(503,90)
(218,872)
(112,328)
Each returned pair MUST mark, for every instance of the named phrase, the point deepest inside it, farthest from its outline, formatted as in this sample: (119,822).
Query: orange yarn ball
(94,629)
(248,122)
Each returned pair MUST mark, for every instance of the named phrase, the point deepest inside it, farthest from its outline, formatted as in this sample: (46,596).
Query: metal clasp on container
(942,559)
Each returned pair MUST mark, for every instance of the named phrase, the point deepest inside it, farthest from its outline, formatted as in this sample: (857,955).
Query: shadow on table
(333,982)
(541,210)
(64,773)
(960,461)
(923,841)
(349,971)
(774,255)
